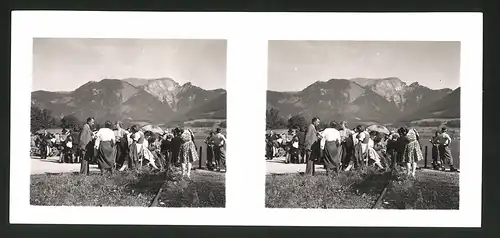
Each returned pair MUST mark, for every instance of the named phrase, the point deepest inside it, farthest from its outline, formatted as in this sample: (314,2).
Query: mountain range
(155,101)
(164,100)
(384,100)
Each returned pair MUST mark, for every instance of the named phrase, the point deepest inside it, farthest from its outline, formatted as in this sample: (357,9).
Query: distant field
(437,119)
(205,120)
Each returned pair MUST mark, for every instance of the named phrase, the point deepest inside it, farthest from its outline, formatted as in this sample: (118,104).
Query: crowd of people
(48,144)
(115,148)
(339,148)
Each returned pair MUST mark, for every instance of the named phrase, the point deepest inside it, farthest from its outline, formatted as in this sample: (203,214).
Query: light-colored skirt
(188,152)
(412,152)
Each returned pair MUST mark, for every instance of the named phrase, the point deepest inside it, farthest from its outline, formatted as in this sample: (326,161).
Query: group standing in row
(113,147)
(339,148)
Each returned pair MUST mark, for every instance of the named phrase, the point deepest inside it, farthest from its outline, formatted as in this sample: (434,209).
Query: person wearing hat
(444,148)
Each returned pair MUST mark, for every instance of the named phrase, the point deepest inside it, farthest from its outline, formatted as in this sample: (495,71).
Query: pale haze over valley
(294,65)
(66,64)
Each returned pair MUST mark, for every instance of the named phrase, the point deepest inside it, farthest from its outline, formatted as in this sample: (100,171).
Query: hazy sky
(66,64)
(294,65)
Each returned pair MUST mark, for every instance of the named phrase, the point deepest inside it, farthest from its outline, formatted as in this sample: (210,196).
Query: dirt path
(51,165)
(278,166)
(204,189)
(429,190)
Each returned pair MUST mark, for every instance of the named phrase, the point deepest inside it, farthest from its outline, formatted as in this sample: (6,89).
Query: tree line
(43,118)
(208,124)
(275,121)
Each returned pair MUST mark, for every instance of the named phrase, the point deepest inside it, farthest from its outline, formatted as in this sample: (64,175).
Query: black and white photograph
(128,122)
(367,117)
(363,124)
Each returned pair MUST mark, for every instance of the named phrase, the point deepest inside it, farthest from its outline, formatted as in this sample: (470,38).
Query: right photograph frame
(363,125)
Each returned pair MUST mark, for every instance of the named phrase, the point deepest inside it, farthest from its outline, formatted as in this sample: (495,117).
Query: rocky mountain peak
(414,85)
(164,89)
(134,99)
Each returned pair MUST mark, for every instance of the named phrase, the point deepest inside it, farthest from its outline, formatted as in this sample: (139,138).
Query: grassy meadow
(361,190)
(129,188)
(352,189)
(430,190)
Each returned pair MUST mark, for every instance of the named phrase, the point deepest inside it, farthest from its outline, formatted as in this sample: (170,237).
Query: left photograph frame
(128,122)
(88,57)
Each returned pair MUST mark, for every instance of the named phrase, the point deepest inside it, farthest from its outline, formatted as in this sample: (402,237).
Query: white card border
(247,35)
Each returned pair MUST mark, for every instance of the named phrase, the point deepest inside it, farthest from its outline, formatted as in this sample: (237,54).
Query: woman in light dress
(138,149)
(105,147)
(148,155)
(188,153)
(371,152)
(412,153)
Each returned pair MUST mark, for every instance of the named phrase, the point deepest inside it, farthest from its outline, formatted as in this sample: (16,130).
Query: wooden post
(425,158)
(200,156)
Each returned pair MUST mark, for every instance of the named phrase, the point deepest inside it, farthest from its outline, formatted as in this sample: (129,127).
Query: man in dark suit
(312,146)
(86,148)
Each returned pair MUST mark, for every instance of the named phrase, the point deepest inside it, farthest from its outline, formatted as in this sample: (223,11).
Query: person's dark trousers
(287,157)
(87,155)
(294,154)
(210,158)
(84,165)
(302,158)
(393,155)
(168,159)
(43,151)
(310,170)
(346,155)
(220,155)
(445,154)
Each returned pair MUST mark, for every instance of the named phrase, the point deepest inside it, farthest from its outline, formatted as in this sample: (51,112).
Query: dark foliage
(274,120)
(41,118)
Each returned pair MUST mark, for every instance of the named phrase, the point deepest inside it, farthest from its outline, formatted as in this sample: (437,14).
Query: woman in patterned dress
(188,153)
(412,153)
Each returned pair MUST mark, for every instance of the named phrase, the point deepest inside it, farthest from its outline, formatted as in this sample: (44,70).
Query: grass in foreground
(352,189)
(205,189)
(430,190)
(121,189)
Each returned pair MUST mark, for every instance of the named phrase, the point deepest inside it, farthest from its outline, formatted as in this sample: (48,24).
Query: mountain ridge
(383,100)
(130,99)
